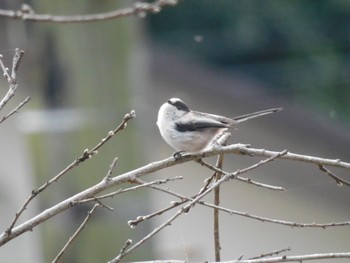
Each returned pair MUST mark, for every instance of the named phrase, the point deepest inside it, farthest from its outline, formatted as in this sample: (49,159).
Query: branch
(151,168)
(217,175)
(15,110)
(134,188)
(110,171)
(87,154)
(276,221)
(11,78)
(185,199)
(185,209)
(299,258)
(76,233)
(338,180)
(244,150)
(276,252)
(26,13)
(155,231)
(239,178)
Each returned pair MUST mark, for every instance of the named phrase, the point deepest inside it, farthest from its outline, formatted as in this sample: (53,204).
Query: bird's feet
(178,155)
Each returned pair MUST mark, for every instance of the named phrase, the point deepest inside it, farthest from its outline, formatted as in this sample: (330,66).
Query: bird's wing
(195,121)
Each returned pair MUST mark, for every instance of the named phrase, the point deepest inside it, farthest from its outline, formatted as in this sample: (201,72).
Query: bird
(190,131)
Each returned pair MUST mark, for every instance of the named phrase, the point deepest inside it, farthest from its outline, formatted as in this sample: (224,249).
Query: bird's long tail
(255,114)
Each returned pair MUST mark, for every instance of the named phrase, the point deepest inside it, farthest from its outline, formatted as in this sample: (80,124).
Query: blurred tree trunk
(82,67)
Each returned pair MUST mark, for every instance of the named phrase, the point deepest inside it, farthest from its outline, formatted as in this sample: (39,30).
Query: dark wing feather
(201,122)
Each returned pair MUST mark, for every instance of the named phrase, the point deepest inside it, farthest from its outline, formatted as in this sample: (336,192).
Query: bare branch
(299,258)
(126,245)
(76,233)
(185,199)
(217,175)
(139,219)
(26,13)
(185,209)
(15,110)
(244,150)
(239,178)
(109,173)
(339,180)
(276,252)
(134,188)
(155,231)
(276,221)
(87,154)
(15,63)
(156,166)
(11,78)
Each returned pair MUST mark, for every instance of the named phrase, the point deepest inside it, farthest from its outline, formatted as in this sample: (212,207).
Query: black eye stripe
(180,105)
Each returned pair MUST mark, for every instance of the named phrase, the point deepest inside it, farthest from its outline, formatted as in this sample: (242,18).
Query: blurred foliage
(299,49)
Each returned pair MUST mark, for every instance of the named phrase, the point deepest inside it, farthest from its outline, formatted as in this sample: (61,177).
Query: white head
(171,110)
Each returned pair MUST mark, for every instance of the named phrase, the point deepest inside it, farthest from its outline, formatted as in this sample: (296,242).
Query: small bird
(191,131)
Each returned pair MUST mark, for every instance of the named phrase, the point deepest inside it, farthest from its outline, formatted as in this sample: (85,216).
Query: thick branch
(153,167)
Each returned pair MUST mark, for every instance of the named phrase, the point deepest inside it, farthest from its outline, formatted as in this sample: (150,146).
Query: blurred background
(227,57)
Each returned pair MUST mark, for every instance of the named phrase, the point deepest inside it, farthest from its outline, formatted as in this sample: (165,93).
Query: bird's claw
(178,155)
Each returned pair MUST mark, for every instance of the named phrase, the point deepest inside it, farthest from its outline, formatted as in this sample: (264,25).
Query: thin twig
(15,63)
(338,180)
(217,246)
(276,221)
(11,78)
(239,178)
(15,110)
(76,233)
(139,219)
(276,252)
(110,171)
(104,205)
(155,231)
(217,176)
(126,245)
(297,258)
(129,189)
(173,204)
(185,199)
(87,154)
(27,13)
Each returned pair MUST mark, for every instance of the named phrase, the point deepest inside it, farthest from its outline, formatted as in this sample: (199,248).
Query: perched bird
(191,131)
